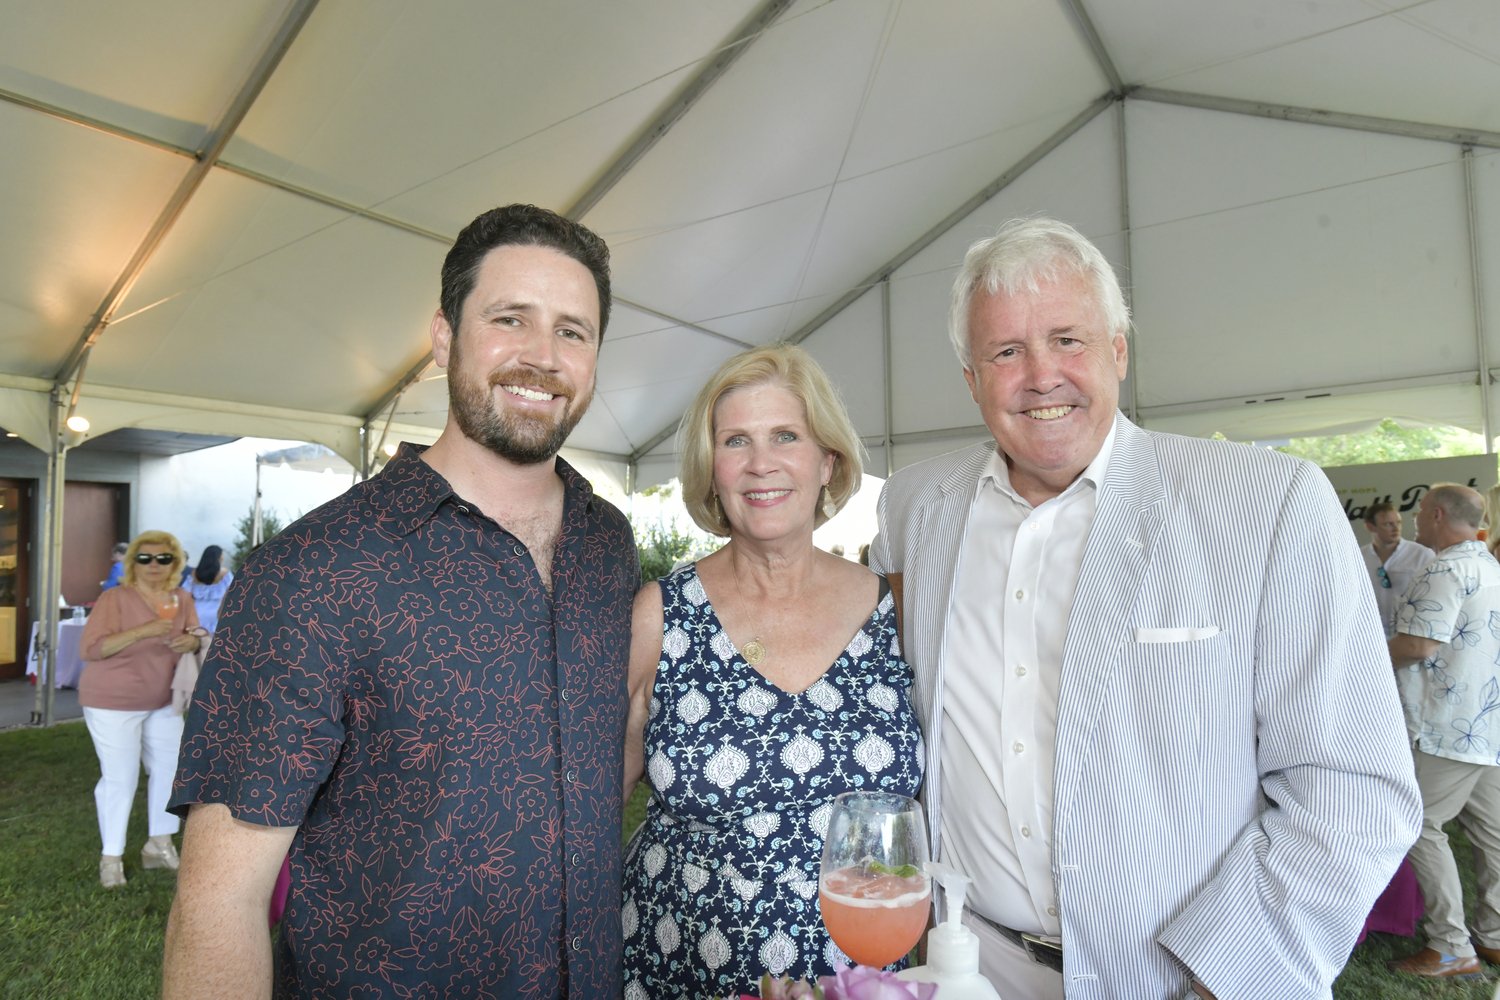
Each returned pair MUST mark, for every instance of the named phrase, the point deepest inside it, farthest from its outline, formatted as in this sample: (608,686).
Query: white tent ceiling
(1284,186)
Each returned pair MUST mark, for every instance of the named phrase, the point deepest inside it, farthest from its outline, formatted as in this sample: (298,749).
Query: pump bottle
(952,949)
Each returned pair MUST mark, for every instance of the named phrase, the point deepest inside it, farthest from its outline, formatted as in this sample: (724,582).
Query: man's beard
(519,437)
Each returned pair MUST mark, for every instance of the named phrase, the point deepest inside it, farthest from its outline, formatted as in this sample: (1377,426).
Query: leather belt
(1039,951)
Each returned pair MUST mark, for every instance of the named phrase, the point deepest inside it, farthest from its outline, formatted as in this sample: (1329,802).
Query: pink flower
(865,983)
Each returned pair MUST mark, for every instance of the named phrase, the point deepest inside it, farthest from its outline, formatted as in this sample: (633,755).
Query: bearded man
(417,692)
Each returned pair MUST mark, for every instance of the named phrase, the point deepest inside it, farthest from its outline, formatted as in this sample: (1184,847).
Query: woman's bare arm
(645,652)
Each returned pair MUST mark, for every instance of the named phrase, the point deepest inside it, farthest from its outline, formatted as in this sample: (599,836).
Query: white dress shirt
(1404,564)
(1017,570)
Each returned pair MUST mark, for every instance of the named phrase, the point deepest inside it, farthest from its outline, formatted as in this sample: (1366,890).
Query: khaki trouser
(1009,969)
(1470,792)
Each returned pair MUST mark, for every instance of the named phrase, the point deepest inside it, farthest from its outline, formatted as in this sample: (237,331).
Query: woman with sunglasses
(131,645)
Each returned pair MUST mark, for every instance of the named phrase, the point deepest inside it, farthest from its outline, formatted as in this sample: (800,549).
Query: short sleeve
(102,622)
(265,725)
(1431,604)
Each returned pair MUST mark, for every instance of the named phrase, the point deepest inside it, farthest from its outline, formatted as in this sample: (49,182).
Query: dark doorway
(15,576)
(91,527)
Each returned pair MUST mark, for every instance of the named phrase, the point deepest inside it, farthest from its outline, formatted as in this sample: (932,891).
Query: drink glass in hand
(873,891)
(167,611)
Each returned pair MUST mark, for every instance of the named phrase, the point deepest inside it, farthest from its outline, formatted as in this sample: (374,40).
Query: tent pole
(255,522)
(51,576)
(1477,278)
(885,344)
(1129,273)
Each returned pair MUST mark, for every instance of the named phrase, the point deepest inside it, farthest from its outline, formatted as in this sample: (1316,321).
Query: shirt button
(1019,747)
(1051,911)
(1020,594)
(572,775)
(563,694)
(577,858)
(1025,831)
(462,509)
(1020,671)
(578,943)
(519,549)
(1035,525)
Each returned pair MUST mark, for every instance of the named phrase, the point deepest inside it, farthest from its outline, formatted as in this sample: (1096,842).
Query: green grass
(61,935)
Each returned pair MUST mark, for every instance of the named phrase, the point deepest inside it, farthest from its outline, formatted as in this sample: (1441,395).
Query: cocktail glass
(873,892)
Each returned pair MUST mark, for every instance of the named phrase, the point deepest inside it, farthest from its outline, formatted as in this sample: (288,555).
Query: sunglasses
(1385,581)
(167,559)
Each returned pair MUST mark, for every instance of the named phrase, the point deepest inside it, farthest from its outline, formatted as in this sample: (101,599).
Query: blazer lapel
(931,573)
(1127,521)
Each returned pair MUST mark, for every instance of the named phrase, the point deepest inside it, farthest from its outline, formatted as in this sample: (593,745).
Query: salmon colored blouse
(139,677)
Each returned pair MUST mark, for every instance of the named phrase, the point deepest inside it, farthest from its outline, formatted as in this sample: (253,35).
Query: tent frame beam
(1476,275)
(1312,116)
(1085,25)
(204,158)
(708,74)
(1466,377)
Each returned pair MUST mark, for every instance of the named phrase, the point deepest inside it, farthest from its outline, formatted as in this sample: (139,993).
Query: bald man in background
(1446,652)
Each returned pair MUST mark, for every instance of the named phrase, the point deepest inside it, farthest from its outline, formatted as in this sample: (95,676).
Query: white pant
(1008,968)
(119,739)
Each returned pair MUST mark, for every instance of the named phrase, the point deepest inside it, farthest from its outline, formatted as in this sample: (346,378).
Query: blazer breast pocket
(1159,635)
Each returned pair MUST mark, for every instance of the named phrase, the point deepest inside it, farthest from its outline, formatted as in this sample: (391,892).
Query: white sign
(1404,483)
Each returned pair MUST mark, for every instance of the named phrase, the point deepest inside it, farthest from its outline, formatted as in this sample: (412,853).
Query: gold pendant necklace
(755,650)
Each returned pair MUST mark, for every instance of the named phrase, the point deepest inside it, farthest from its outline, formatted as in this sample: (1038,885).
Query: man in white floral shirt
(1447,657)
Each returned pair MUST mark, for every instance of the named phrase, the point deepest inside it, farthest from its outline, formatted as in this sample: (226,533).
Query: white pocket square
(1175,634)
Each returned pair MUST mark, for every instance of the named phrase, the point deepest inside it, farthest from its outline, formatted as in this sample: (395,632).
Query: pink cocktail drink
(875,917)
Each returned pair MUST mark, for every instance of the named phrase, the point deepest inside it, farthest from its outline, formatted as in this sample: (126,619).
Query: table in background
(69,652)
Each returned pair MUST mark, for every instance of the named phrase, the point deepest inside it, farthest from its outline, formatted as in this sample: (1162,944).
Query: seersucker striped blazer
(1237,801)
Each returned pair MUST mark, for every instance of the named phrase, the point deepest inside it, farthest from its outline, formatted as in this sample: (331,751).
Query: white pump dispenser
(952,949)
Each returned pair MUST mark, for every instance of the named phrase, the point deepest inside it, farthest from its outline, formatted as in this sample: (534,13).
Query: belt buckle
(1041,952)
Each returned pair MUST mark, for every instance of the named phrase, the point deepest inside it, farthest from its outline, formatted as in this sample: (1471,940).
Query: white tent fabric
(1294,268)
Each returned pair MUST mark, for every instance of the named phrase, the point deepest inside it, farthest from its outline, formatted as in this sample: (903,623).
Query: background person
(1492,519)
(208,583)
(1445,653)
(1393,561)
(117,565)
(764,681)
(131,644)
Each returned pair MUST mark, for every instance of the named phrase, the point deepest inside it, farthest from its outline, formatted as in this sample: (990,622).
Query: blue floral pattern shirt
(1452,699)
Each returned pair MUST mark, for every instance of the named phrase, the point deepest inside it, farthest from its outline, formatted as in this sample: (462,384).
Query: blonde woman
(131,645)
(765,679)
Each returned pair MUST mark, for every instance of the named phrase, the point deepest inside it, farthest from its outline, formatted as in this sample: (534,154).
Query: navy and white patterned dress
(721,880)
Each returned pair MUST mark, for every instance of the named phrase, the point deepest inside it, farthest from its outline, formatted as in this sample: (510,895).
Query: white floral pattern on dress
(729,853)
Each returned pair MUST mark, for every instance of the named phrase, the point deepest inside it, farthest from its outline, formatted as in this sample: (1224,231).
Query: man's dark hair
(520,225)
(1375,509)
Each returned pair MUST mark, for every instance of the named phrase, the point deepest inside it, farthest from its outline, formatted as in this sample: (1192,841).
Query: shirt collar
(997,471)
(408,492)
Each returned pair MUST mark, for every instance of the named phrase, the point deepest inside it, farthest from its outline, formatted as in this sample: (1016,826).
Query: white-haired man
(1165,752)
(1445,650)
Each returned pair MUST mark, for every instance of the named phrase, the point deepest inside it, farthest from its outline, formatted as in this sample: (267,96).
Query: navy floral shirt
(390,675)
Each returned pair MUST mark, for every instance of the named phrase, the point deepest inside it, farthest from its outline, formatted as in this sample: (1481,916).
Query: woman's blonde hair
(152,538)
(793,369)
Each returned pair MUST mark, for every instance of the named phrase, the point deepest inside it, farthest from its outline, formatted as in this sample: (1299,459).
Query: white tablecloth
(69,662)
